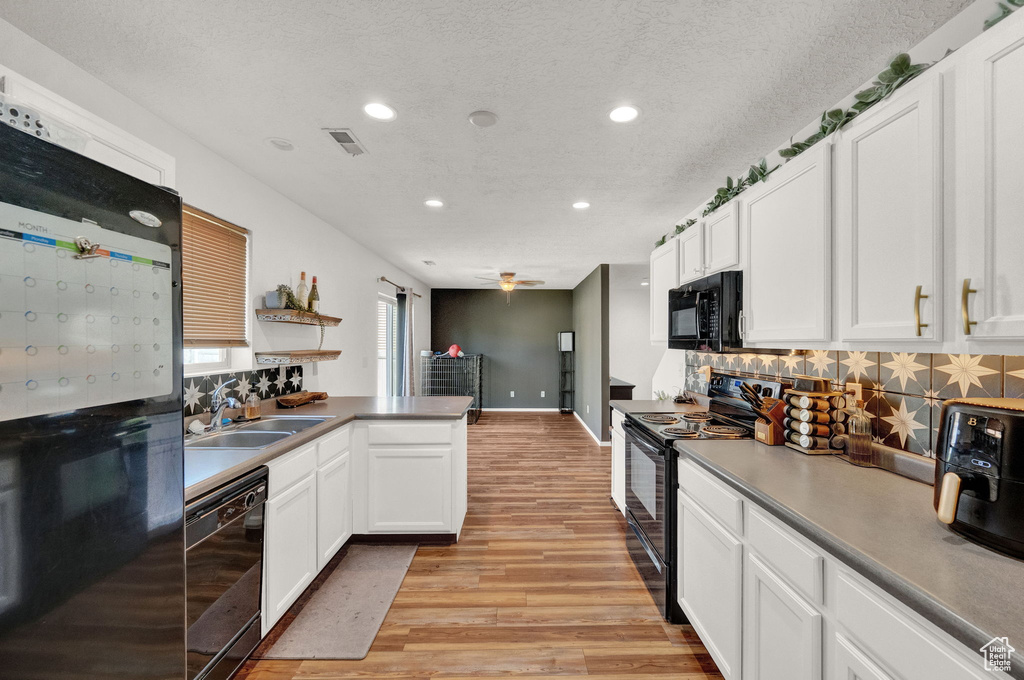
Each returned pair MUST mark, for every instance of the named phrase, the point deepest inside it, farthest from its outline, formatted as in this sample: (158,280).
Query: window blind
(214,264)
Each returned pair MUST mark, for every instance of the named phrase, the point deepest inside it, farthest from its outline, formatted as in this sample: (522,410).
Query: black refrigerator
(92,578)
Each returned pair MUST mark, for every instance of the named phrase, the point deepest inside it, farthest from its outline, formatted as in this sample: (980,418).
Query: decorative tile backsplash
(903,392)
(267,382)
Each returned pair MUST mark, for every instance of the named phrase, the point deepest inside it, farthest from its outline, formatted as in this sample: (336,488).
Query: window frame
(390,360)
(233,358)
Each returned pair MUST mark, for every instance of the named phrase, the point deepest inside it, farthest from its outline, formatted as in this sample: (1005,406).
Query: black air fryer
(979,476)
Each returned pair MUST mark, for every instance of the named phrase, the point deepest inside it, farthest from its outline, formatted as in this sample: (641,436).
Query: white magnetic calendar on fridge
(77,333)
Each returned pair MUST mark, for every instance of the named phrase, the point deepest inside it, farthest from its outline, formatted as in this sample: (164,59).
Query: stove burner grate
(660,419)
(681,433)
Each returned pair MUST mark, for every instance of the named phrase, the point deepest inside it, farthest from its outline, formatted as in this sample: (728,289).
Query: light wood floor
(540,584)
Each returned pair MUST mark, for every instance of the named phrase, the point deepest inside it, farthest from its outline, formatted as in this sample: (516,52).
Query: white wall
(286,238)
(630,356)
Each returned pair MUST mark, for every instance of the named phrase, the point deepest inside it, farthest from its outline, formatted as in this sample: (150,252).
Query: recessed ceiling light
(624,114)
(380,111)
(433,203)
(483,118)
(644,283)
(581,205)
(280,143)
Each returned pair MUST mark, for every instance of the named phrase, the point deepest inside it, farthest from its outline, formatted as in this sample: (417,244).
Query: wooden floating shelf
(301,356)
(294,316)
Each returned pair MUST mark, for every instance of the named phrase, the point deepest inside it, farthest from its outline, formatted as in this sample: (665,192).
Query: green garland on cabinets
(900,72)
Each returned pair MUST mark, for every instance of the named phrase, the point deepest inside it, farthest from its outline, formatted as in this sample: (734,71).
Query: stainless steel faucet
(218,403)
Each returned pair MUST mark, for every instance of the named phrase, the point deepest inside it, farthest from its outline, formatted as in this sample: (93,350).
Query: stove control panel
(728,385)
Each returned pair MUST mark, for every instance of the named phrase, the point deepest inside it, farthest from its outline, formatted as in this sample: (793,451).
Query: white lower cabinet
(773,603)
(853,664)
(334,507)
(410,489)
(381,477)
(290,553)
(710,586)
(619,470)
(782,633)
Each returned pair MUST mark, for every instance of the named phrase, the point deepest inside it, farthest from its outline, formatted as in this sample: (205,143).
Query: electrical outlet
(512,394)
(588,409)
(542,394)
(857,388)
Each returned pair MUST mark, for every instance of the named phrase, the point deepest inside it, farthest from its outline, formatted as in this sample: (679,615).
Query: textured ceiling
(719,83)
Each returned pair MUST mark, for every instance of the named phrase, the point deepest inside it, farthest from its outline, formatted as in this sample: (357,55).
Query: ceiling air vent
(346,140)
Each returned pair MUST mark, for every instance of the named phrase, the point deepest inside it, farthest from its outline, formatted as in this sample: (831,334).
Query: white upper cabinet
(691,253)
(787,231)
(664,277)
(722,239)
(889,218)
(989,289)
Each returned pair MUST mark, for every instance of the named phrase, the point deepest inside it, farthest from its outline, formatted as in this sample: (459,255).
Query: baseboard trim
(525,410)
(592,435)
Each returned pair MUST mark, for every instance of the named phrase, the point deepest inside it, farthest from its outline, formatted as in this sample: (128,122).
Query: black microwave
(705,314)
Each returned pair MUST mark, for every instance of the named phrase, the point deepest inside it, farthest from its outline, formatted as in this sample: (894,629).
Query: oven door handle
(651,552)
(638,439)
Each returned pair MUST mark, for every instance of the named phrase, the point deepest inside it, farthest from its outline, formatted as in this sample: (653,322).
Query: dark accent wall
(590,321)
(519,341)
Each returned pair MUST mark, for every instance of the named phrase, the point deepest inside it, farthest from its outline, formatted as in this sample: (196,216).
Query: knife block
(772,433)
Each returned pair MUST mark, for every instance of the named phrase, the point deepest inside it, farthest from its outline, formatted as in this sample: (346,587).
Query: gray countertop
(883,526)
(205,470)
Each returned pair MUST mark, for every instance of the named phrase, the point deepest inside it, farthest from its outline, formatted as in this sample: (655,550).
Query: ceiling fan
(508,282)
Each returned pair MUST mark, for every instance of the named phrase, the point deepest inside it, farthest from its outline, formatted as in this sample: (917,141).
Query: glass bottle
(301,291)
(858,436)
(314,298)
(252,406)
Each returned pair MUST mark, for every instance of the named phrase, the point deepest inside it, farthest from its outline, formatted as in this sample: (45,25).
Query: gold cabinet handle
(967,290)
(918,296)
(949,497)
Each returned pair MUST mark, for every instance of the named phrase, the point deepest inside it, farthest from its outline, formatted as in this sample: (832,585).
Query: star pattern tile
(791,364)
(193,394)
(263,385)
(905,423)
(1013,380)
(281,382)
(967,375)
(909,373)
(295,379)
(821,363)
(859,367)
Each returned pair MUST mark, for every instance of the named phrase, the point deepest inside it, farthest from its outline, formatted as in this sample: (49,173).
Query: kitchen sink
(238,439)
(291,424)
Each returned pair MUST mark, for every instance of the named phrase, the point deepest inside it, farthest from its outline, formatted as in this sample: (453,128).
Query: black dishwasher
(223,567)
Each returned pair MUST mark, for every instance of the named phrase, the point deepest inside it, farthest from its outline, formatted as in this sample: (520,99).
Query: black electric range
(651,474)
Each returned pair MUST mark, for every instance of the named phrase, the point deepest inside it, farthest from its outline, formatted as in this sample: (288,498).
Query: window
(387,346)
(215,264)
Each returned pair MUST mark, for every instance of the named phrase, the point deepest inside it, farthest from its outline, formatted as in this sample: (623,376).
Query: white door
(722,239)
(664,277)
(410,489)
(853,664)
(990,227)
(889,218)
(782,632)
(619,470)
(711,588)
(334,507)
(787,290)
(691,254)
(290,550)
